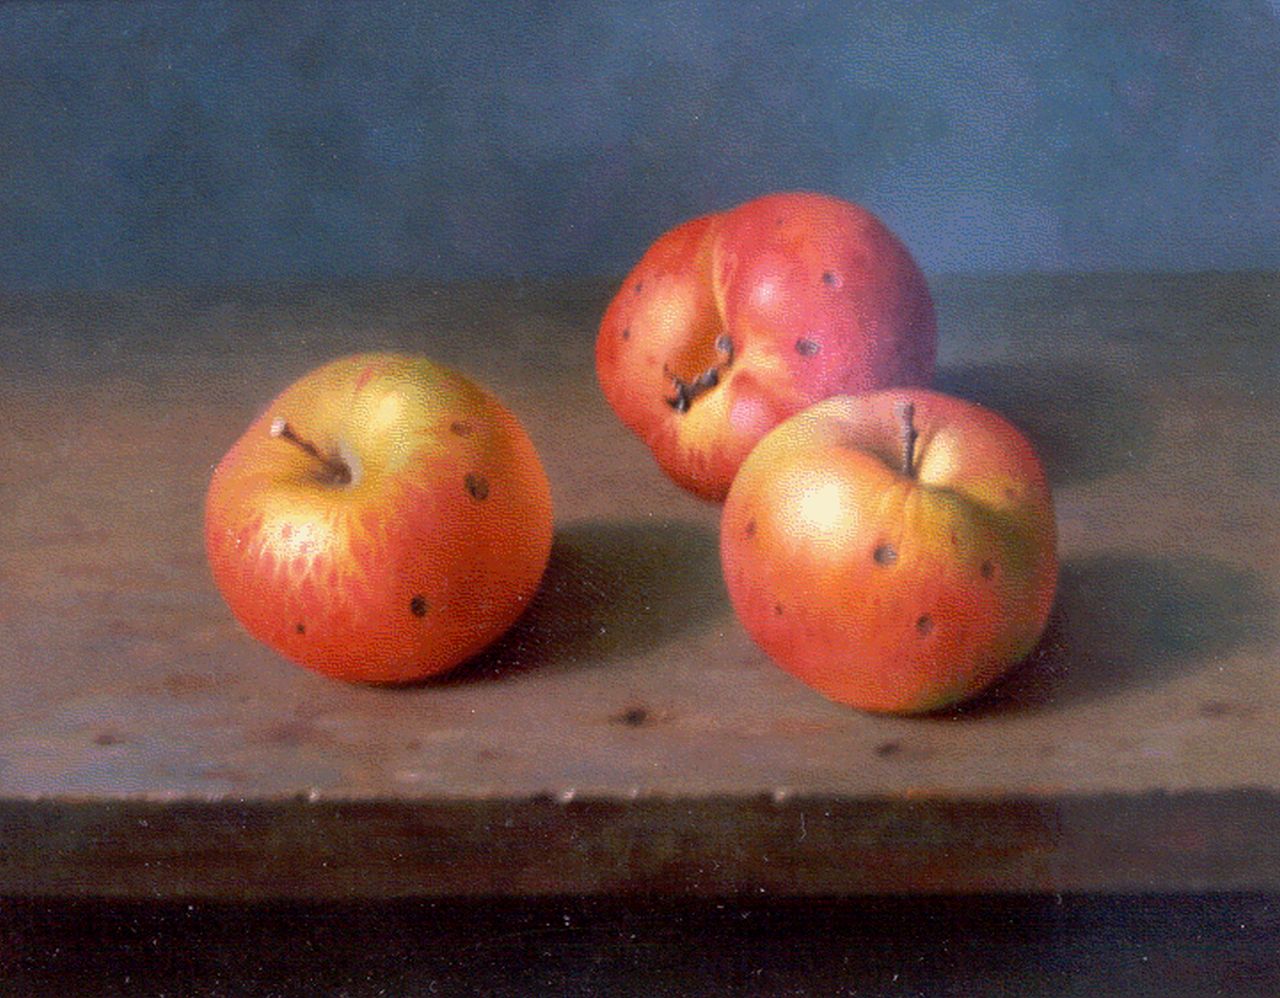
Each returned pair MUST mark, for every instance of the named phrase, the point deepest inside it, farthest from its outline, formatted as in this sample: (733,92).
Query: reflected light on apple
(763,294)
(387,411)
(820,507)
(748,412)
(940,460)
(298,537)
(386,425)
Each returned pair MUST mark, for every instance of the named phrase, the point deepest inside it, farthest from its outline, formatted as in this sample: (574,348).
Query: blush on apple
(732,322)
(383,520)
(895,550)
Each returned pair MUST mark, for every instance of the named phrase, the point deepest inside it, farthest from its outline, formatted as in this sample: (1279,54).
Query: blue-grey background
(184,143)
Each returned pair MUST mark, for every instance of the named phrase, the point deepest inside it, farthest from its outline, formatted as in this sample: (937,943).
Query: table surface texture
(626,736)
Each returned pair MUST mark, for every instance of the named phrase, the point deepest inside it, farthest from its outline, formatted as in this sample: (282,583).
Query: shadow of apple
(611,590)
(1083,425)
(1125,621)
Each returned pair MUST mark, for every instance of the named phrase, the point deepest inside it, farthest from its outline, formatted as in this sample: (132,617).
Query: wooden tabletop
(626,736)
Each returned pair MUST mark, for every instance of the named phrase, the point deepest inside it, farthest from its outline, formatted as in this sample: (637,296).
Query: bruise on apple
(732,322)
(477,486)
(884,554)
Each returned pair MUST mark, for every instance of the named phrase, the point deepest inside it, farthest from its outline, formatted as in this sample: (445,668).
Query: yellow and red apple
(895,550)
(383,520)
(732,322)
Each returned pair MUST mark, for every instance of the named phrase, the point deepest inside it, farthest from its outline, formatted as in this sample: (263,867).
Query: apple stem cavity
(906,424)
(687,391)
(335,470)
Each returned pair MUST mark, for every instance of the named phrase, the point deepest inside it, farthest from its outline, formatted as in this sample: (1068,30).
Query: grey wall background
(149,143)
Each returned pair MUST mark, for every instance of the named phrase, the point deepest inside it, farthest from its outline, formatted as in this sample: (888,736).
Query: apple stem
(336,469)
(906,417)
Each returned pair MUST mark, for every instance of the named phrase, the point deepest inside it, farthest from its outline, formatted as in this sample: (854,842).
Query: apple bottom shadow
(1123,622)
(611,590)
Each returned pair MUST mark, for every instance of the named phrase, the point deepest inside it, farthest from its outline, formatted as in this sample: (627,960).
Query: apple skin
(431,552)
(814,296)
(888,592)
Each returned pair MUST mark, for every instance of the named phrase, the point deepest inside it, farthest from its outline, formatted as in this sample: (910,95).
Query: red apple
(383,520)
(895,550)
(732,322)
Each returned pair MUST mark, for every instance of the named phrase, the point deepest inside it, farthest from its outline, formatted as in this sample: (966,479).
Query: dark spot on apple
(885,554)
(924,625)
(886,749)
(418,605)
(830,279)
(626,333)
(751,528)
(460,429)
(477,486)
(633,717)
(724,343)
(988,570)
(806,347)
(107,738)
(777,609)
(779,220)
(300,627)
(639,286)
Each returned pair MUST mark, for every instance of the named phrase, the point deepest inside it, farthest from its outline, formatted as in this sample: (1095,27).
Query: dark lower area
(1006,945)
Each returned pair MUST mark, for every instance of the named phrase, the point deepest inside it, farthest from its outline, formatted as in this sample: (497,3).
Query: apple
(896,550)
(383,520)
(732,322)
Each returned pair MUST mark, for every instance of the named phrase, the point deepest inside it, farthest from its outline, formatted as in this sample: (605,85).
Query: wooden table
(627,738)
